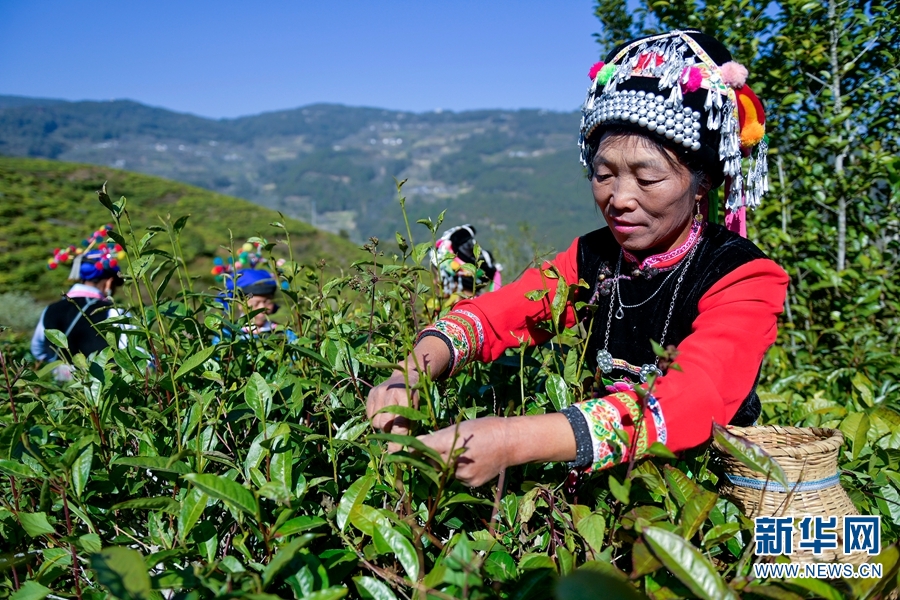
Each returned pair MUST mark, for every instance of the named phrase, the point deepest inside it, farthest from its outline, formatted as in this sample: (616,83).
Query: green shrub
(247,468)
(19,311)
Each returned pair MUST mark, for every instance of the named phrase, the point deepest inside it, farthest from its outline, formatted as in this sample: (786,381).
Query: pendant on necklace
(604,361)
(647,370)
(620,314)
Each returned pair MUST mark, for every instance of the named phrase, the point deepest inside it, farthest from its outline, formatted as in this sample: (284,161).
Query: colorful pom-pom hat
(249,257)
(683,88)
(93,260)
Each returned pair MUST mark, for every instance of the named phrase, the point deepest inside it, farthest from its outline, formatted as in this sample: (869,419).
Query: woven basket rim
(829,440)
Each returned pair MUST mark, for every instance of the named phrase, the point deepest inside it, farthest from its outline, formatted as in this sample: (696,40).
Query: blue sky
(227,58)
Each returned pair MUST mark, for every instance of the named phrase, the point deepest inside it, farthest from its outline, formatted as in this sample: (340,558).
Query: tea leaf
(750,454)
(17,469)
(681,488)
(226,490)
(621,491)
(167,505)
(332,593)
(31,590)
(695,511)
(370,588)
(403,549)
(258,396)
(856,427)
(407,412)
(81,469)
(57,338)
(35,524)
(299,525)
(592,528)
(353,497)
(122,572)
(284,556)
(687,564)
(194,360)
(192,508)
(558,391)
(720,534)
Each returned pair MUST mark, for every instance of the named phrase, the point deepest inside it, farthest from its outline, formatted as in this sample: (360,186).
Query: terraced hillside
(46,204)
(334,166)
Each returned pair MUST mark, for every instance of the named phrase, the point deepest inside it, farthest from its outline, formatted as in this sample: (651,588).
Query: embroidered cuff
(584,451)
(435,333)
(465,334)
(603,420)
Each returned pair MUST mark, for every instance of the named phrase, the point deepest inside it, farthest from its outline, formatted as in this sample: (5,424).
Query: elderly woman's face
(646,199)
(264,303)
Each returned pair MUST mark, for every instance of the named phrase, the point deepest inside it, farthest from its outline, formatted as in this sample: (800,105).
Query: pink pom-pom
(734,74)
(619,386)
(691,78)
(595,69)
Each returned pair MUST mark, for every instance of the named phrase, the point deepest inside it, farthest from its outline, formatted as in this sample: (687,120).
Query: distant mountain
(49,204)
(334,166)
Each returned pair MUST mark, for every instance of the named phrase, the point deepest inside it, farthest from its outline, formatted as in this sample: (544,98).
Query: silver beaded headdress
(670,87)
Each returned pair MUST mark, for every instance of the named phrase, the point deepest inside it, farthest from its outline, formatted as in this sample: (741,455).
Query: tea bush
(180,468)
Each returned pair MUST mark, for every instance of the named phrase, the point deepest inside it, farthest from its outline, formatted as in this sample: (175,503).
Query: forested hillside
(47,204)
(334,166)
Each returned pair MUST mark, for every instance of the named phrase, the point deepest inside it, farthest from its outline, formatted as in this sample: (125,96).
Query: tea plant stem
(15,492)
(71,545)
(584,350)
(331,448)
(501,484)
(409,235)
(9,384)
(374,283)
(522,377)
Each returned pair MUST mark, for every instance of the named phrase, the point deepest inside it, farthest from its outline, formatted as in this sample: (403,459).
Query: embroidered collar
(80,290)
(666,260)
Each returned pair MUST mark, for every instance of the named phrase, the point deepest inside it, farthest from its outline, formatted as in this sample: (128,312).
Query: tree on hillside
(828,75)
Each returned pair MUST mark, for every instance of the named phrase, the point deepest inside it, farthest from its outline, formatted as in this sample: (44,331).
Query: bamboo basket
(809,458)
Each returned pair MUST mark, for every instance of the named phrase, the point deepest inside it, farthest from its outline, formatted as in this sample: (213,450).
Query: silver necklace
(604,358)
(620,314)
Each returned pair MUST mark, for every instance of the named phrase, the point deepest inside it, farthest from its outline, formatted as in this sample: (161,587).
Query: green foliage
(245,468)
(827,73)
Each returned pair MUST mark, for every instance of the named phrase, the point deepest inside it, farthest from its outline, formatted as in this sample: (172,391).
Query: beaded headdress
(454,258)
(248,258)
(94,259)
(683,88)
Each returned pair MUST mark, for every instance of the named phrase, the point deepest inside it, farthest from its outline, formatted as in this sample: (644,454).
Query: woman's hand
(487,444)
(392,392)
(430,356)
(491,444)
